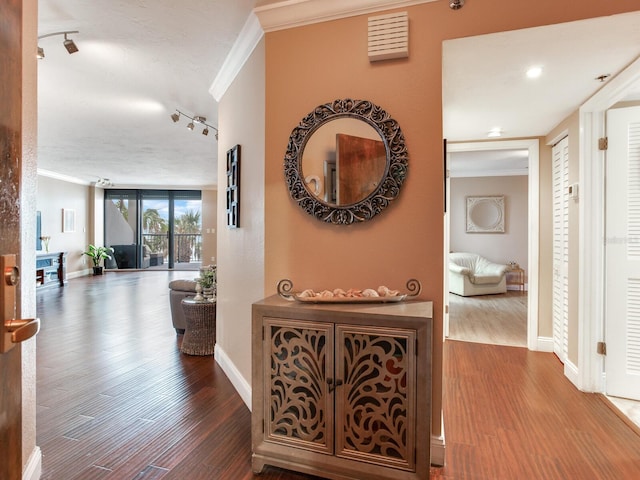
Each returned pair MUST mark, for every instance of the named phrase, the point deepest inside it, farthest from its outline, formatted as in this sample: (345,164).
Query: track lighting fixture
(196,119)
(69,44)
(104,182)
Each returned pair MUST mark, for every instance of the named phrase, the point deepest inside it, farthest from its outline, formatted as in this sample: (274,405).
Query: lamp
(196,119)
(69,44)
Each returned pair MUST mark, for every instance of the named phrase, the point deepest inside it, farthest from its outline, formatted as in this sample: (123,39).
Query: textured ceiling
(104,111)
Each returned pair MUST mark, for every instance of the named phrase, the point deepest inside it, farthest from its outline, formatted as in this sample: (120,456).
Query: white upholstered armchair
(470,274)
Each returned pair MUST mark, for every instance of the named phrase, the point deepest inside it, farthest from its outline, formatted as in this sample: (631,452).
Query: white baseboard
(80,273)
(437,450)
(572,373)
(33,469)
(545,344)
(438,446)
(238,381)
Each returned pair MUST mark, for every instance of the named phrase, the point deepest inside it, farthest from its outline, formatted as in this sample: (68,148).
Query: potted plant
(98,254)
(207,281)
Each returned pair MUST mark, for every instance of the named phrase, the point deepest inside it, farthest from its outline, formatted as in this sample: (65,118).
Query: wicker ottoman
(200,333)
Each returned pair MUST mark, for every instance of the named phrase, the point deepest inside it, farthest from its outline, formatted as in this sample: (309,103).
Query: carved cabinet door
(344,390)
(298,363)
(376,401)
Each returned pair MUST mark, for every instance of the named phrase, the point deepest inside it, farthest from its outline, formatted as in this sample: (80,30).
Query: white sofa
(470,274)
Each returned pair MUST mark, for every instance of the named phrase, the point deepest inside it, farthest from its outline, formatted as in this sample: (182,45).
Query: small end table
(515,276)
(200,332)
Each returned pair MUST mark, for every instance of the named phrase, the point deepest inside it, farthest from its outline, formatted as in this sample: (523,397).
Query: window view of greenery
(142,241)
(187,229)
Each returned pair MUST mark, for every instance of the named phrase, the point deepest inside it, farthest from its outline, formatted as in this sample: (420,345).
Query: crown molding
(489,173)
(60,176)
(285,14)
(242,49)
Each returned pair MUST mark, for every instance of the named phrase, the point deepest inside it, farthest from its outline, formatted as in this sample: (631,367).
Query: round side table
(200,332)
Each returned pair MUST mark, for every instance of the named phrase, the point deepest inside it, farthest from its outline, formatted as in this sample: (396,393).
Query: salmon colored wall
(315,64)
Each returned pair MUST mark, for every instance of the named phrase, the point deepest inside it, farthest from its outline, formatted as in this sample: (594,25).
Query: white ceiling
(485,84)
(104,111)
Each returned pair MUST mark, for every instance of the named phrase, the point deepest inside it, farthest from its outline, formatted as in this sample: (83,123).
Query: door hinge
(603,143)
(601,348)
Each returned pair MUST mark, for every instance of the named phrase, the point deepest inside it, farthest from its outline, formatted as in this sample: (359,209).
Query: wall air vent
(389,36)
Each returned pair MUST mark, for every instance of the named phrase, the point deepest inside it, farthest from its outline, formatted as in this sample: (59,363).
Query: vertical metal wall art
(233,187)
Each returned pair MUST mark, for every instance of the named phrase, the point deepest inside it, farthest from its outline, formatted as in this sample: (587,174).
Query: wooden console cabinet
(342,391)
(51,269)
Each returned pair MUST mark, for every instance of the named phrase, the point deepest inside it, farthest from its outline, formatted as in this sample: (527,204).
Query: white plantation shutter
(560,306)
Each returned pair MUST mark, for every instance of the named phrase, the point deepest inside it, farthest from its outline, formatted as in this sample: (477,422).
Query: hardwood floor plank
(117,401)
(496,319)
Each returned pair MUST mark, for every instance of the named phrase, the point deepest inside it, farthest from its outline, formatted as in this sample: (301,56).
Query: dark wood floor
(117,400)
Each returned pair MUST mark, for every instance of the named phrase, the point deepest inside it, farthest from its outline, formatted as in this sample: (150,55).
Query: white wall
(54,195)
(241,256)
(497,247)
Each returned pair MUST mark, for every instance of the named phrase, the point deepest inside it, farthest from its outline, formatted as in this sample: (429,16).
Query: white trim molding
(296,13)
(247,40)
(237,380)
(591,292)
(533,243)
(33,468)
(545,344)
(60,176)
(438,445)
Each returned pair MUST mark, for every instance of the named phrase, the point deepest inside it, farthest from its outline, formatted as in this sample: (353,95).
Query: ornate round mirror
(345,161)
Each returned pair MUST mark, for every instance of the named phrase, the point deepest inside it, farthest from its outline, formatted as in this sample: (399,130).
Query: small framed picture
(233,187)
(68,220)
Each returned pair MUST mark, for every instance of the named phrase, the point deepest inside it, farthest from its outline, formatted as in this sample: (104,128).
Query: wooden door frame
(534,342)
(591,295)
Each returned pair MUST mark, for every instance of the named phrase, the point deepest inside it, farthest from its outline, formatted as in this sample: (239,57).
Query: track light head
(196,119)
(70,45)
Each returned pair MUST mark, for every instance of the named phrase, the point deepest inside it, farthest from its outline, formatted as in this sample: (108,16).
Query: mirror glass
(344,161)
(485,214)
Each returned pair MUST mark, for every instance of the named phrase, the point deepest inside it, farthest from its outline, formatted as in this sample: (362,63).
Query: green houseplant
(97,255)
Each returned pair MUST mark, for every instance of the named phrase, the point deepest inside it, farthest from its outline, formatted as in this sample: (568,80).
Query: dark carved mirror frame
(394,175)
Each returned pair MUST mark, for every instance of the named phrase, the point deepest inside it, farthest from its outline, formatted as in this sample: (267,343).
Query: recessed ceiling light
(534,72)
(495,132)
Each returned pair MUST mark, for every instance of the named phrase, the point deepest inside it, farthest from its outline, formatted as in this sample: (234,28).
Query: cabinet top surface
(409,308)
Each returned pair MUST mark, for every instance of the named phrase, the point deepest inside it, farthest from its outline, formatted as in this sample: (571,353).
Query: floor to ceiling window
(156,229)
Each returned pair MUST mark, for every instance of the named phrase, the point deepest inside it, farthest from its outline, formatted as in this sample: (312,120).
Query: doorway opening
(524,206)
